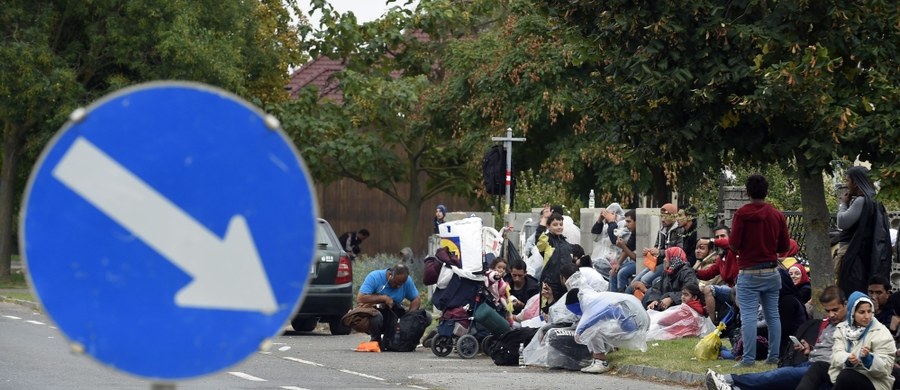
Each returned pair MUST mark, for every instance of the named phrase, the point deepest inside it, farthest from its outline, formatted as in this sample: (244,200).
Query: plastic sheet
(555,347)
(676,322)
(558,313)
(612,319)
(531,310)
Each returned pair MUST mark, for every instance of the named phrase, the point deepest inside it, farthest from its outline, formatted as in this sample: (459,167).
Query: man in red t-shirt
(758,233)
(726,267)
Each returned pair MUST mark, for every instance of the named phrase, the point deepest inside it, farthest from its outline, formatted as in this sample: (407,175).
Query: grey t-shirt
(821,352)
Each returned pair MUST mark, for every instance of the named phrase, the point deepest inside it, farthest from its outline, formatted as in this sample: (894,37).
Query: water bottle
(591,200)
(521,355)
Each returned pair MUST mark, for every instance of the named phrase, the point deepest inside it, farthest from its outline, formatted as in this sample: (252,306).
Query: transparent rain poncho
(611,320)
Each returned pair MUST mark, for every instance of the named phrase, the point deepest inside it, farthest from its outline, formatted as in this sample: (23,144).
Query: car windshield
(322,237)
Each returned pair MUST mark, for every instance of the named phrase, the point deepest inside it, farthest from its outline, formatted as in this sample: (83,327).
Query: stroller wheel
(441,345)
(486,343)
(467,346)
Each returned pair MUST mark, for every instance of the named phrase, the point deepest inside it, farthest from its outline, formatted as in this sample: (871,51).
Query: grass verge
(16,280)
(678,355)
(16,295)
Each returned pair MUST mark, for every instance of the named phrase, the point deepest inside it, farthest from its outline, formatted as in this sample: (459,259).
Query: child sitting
(498,287)
(684,320)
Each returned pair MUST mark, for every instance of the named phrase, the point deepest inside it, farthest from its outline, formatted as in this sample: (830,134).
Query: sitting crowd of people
(749,277)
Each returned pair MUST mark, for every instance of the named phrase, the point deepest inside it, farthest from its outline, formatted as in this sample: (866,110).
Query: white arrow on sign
(227,273)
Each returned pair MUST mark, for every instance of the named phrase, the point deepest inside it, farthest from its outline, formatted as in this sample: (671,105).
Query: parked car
(329,294)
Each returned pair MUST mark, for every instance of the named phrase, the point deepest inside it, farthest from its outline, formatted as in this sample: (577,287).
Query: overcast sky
(365,10)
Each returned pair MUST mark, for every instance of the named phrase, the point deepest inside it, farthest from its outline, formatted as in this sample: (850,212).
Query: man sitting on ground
(835,304)
(387,288)
(880,291)
(522,286)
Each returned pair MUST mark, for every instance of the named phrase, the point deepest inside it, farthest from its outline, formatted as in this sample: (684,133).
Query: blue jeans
(779,378)
(722,293)
(754,289)
(620,280)
(647,276)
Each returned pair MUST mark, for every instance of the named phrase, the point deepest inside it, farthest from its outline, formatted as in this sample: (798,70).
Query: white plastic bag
(464,237)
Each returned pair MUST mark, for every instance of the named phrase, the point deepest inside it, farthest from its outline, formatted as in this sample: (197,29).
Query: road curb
(20,302)
(656,373)
(662,374)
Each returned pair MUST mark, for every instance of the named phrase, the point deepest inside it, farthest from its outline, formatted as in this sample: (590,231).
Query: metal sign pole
(507,144)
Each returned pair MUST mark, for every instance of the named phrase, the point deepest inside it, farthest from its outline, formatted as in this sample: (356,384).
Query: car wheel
(337,328)
(441,345)
(304,324)
(467,346)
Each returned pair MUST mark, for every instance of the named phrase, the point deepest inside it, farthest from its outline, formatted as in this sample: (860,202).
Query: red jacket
(726,266)
(758,233)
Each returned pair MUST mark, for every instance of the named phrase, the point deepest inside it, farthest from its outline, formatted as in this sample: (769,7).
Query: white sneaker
(597,367)
(716,381)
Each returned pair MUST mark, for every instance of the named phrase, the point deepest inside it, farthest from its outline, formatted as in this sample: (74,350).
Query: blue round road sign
(168,229)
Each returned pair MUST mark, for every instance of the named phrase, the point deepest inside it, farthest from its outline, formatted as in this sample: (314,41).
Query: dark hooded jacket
(758,233)
(671,283)
(790,307)
(562,252)
(868,240)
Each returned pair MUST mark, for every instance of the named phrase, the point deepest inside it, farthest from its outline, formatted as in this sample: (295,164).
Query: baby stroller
(469,321)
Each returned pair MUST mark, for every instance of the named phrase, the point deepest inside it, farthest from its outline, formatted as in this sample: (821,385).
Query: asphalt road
(35,355)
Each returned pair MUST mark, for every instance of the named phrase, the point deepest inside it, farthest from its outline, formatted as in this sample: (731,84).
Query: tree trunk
(815,220)
(413,211)
(12,136)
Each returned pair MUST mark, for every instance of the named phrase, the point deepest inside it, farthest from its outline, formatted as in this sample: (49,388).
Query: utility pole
(507,145)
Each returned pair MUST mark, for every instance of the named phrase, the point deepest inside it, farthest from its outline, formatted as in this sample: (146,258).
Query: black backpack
(411,327)
(493,166)
(505,351)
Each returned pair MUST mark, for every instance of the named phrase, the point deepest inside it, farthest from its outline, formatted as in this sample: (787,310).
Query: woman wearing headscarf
(863,351)
(801,281)
(677,273)
(864,245)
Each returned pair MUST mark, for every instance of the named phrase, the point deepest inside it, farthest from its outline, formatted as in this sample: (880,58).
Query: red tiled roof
(318,73)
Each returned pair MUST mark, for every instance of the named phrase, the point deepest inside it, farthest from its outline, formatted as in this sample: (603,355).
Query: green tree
(58,55)
(771,82)
(385,134)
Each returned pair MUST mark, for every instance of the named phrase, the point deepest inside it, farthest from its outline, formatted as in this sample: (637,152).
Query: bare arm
(416,303)
(375,299)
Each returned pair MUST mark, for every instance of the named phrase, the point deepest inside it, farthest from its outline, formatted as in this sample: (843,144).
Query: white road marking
(246,376)
(35,322)
(284,348)
(362,375)
(13,317)
(418,387)
(292,388)
(293,359)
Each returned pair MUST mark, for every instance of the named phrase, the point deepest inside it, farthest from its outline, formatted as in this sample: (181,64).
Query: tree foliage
(61,54)
(771,82)
(385,133)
